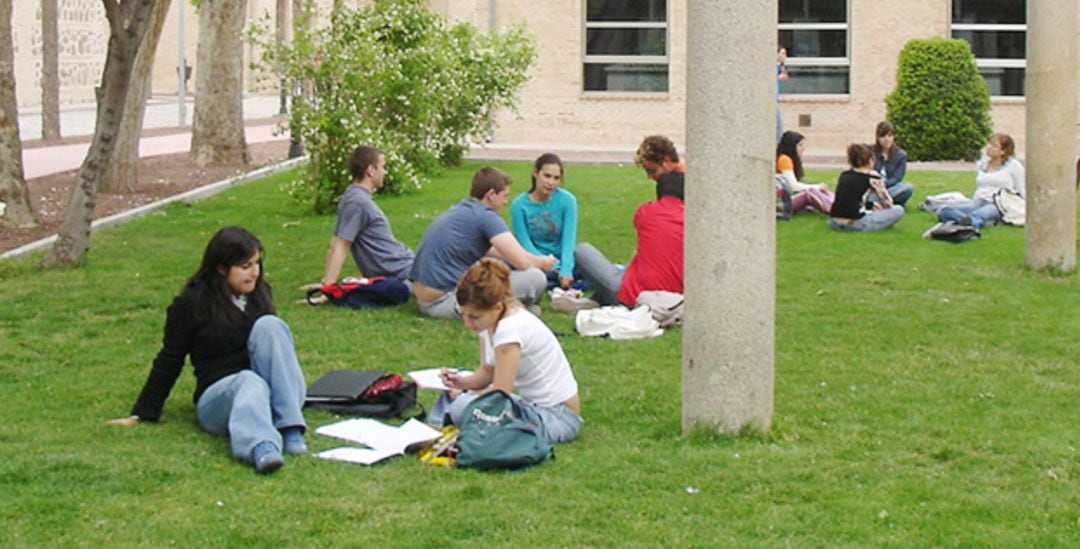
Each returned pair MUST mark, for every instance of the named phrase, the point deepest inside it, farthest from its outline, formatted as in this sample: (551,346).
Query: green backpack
(498,433)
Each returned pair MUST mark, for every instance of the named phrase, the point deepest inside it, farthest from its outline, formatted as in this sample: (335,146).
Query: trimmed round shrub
(941,105)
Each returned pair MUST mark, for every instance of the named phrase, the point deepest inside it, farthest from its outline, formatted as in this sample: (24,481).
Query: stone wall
(84,38)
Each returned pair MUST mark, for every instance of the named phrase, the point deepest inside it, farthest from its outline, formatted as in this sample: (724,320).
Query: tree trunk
(15,208)
(128,23)
(50,71)
(121,173)
(217,133)
(281,18)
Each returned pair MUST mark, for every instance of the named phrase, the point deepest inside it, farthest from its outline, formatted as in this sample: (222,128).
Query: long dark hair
(544,160)
(883,128)
(229,247)
(789,143)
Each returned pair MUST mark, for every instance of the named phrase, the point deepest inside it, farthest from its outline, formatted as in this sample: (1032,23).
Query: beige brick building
(610,71)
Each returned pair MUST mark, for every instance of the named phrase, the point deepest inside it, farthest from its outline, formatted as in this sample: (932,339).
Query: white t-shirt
(544,376)
(1009,175)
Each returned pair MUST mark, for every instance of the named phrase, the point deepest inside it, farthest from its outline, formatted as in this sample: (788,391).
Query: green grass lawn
(927,394)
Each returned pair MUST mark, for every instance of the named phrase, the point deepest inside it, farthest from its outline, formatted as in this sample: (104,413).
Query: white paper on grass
(429,378)
(379,436)
(363,456)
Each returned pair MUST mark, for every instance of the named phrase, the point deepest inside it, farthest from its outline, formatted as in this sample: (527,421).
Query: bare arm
(506,365)
(508,248)
(478,380)
(335,258)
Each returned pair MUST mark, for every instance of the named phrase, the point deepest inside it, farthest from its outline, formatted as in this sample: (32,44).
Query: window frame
(587,59)
(994,62)
(828,62)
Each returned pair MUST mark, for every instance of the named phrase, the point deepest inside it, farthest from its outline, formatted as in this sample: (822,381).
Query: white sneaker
(570,300)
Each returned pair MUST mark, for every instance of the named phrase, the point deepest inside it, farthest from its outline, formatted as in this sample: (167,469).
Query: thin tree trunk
(121,173)
(128,23)
(217,133)
(50,70)
(15,208)
(281,18)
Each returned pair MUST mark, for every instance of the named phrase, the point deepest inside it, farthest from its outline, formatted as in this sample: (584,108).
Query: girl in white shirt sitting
(999,169)
(517,350)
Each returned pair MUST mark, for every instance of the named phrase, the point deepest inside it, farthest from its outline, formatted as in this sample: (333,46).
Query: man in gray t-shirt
(362,228)
(468,231)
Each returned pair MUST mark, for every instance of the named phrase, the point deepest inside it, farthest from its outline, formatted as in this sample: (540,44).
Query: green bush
(398,77)
(941,105)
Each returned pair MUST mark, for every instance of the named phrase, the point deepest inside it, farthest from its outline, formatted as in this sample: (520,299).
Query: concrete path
(164,112)
(79,120)
(42,161)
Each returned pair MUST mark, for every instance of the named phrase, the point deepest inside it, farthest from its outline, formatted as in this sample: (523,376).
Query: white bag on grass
(617,322)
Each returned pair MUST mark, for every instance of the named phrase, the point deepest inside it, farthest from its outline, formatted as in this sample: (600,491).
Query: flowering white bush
(395,76)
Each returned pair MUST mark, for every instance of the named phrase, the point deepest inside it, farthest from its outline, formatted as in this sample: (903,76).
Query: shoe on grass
(294,440)
(266,458)
(570,301)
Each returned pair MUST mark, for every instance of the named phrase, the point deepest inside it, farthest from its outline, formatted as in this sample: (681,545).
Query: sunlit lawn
(926,394)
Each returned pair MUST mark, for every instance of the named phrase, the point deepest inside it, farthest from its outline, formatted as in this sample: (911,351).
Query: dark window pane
(813,11)
(623,10)
(806,80)
(1008,82)
(626,42)
(626,77)
(814,43)
(995,44)
(1002,12)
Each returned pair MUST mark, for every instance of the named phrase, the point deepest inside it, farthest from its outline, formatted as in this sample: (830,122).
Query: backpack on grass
(951,232)
(363,293)
(495,432)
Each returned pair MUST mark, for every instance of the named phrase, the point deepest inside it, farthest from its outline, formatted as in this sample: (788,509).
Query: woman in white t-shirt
(999,169)
(517,351)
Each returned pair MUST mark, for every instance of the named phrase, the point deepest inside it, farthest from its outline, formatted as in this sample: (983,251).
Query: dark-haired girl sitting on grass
(249,386)
(852,190)
(517,350)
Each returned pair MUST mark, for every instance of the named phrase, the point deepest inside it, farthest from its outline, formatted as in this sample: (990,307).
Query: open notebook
(382,440)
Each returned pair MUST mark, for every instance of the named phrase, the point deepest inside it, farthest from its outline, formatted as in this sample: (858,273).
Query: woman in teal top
(545,219)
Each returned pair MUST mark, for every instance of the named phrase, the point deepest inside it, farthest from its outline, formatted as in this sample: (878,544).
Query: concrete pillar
(1051,83)
(727,371)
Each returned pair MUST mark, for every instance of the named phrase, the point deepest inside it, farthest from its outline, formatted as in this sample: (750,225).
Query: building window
(996,30)
(626,46)
(815,34)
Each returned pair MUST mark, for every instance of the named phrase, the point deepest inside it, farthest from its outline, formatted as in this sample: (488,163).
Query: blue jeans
(560,423)
(599,273)
(871,221)
(981,213)
(900,192)
(528,285)
(253,406)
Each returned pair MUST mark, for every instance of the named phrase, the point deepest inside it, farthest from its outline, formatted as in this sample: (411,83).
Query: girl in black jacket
(249,386)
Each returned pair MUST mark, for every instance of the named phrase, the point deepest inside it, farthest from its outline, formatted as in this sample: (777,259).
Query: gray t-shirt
(374,248)
(453,242)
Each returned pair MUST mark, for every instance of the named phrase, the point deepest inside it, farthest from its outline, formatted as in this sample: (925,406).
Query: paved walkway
(164,112)
(79,120)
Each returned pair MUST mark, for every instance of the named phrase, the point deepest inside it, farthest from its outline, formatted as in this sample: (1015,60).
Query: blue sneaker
(266,457)
(294,440)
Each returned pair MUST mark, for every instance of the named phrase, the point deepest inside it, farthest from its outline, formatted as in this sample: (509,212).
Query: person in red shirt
(658,262)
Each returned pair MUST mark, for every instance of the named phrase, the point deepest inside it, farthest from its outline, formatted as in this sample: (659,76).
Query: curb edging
(197,193)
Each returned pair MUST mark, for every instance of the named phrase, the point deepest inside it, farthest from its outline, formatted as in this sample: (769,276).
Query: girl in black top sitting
(852,190)
(249,386)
